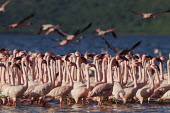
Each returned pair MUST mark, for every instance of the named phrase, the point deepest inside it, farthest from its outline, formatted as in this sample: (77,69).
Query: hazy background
(74,14)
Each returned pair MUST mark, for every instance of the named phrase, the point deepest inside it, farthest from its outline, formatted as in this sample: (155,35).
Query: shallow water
(35,43)
(52,107)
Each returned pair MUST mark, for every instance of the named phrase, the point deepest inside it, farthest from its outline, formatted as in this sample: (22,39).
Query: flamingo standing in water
(146,91)
(62,91)
(21,23)
(82,92)
(163,88)
(2,8)
(14,91)
(149,15)
(104,90)
(129,92)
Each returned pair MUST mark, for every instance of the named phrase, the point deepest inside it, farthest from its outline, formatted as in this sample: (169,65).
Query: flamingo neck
(161,70)
(87,77)
(104,71)
(3,75)
(168,70)
(25,75)
(134,77)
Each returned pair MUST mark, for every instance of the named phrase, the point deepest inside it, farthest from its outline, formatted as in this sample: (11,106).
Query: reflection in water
(55,108)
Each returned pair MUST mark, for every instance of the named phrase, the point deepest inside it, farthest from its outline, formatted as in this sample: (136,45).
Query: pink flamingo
(82,92)
(104,90)
(129,92)
(150,15)
(69,38)
(21,23)
(103,33)
(13,91)
(163,88)
(62,91)
(48,27)
(146,91)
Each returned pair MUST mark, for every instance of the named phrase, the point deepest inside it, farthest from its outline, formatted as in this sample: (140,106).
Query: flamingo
(62,91)
(163,88)
(2,7)
(104,90)
(13,91)
(69,38)
(103,33)
(43,88)
(146,91)
(21,23)
(48,27)
(149,15)
(82,92)
(129,92)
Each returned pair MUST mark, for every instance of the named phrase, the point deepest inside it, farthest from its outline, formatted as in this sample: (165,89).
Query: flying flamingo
(21,23)
(48,27)
(149,15)
(2,7)
(103,33)
(69,38)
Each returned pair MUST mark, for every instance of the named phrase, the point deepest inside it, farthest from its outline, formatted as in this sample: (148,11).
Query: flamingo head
(98,29)
(2,10)
(91,65)
(72,64)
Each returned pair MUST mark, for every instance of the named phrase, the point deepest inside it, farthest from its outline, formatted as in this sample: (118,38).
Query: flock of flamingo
(81,78)
(97,77)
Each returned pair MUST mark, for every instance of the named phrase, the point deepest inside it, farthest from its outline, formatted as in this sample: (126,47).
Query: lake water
(35,43)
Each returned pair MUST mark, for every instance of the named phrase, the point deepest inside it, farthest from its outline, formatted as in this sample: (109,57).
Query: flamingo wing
(114,34)
(136,45)
(27,18)
(136,12)
(39,32)
(87,27)
(111,46)
(60,32)
(56,39)
(168,11)
(126,51)
(75,35)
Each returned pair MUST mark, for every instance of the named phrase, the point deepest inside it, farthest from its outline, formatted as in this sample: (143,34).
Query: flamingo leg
(25,99)
(14,103)
(61,102)
(115,101)
(83,101)
(136,102)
